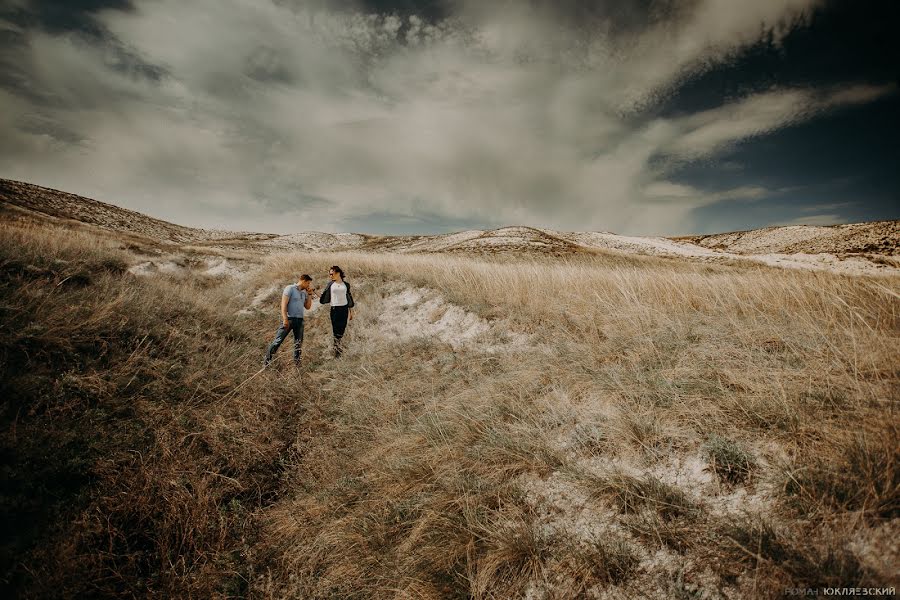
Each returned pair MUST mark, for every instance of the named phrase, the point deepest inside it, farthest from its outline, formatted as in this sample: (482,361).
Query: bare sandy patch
(152,267)
(265,295)
(849,265)
(654,246)
(421,312)
(879,549)
(314,241)
(216,267)
(143,269)
(222,267)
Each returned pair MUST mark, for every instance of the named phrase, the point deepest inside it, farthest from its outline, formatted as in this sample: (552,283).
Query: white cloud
(823,219)
(712,130)
(668,191)
(267,119)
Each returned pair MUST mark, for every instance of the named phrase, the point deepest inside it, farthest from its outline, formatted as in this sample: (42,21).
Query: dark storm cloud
(638,117)
(58,16)
(76,18)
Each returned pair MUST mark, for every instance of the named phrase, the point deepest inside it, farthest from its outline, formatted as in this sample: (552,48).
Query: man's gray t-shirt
(296,300)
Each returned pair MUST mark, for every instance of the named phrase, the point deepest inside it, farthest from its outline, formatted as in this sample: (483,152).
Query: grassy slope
(546,472)
(138,466)
(125,470)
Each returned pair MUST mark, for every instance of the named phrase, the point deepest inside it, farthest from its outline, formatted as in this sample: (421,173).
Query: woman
(337,293)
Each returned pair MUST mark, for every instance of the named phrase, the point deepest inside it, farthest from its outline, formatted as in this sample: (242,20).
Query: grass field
(511,427)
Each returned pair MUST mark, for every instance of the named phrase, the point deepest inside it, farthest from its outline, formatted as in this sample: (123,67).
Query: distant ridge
(878,237)
(63,205)
(851,248)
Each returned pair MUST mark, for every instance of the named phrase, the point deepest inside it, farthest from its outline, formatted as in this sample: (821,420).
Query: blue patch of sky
(844,163)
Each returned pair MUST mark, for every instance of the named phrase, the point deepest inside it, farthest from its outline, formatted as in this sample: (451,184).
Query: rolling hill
(859,248)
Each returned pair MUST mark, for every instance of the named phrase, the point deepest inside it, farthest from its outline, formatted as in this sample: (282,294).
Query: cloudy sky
(405,116)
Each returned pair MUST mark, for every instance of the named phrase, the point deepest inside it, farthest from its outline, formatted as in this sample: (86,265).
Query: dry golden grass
(661,429)
(763,374)
(126,470)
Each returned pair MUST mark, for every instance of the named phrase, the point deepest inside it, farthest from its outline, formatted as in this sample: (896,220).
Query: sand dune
(858,248)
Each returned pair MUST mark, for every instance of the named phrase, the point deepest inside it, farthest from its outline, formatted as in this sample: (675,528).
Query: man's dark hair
(305,277)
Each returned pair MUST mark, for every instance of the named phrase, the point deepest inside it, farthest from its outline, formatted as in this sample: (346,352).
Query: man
(295,301)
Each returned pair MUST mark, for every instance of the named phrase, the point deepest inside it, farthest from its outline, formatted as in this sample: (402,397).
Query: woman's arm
(350,303)
(325,297)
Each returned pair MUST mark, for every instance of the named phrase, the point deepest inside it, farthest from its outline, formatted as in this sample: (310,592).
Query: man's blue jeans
(296,325)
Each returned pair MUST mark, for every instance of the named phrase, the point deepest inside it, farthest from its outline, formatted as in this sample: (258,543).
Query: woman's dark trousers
(296,325)
(339,316)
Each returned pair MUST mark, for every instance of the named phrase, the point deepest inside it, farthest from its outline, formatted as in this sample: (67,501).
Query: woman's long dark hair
(337,269)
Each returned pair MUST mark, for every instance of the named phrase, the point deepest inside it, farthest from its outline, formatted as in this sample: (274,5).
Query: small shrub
(590,437)
(644,430)
(729,460)
(630,494)
(662,530)
(514,553)
(610,561)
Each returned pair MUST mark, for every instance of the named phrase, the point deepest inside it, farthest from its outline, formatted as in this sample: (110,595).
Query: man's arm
(284,317)
(308,304)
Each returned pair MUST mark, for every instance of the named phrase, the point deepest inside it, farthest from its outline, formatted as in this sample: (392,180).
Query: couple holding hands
(297,299)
